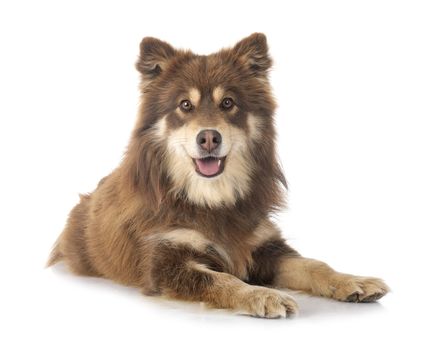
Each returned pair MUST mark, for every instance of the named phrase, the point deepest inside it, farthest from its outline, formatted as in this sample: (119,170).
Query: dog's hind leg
(71,245)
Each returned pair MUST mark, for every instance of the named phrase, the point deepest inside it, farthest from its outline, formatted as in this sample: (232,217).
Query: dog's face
(212,114)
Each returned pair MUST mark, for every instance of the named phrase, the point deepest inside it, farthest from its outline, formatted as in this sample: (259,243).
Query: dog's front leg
(196,273)
(318,278)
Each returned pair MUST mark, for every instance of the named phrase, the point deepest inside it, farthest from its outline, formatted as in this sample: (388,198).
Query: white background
(347,78)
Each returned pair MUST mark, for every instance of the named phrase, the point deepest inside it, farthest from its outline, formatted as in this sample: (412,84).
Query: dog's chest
(238,249)
(239,255)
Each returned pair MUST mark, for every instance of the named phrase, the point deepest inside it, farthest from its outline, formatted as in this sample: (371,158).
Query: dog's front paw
(265,302)
(358,289)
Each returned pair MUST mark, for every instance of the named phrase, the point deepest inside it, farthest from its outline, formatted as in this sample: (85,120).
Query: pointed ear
(154,57)
(253,50)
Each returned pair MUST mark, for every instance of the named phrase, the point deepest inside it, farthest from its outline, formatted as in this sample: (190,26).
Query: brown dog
(186,214)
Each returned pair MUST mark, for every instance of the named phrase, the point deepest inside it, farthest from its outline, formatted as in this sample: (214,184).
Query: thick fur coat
(187,212)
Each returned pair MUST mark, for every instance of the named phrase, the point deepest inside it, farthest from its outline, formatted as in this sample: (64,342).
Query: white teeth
(219,163)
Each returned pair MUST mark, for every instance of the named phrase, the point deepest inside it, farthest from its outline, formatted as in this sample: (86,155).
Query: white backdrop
(347,78)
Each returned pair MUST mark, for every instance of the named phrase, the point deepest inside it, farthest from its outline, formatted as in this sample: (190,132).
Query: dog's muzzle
(210,164)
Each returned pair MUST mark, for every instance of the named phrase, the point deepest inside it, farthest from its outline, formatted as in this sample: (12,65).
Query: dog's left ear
(154,57)
(253,50)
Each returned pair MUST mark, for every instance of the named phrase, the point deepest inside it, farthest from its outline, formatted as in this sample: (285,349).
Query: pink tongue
(208,167)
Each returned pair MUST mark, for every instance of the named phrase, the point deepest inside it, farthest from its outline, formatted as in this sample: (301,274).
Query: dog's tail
(56,255)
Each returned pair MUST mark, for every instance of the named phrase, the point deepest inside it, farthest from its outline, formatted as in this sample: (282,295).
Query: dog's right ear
(154,57)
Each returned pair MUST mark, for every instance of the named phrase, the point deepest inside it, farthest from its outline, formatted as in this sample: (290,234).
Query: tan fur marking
(183,236)
(255,127)
(160,128)
(320,279)
(217,94)
(180,113)
(233,111)
(194,95)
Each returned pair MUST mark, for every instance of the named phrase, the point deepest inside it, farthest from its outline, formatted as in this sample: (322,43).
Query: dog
(186,214)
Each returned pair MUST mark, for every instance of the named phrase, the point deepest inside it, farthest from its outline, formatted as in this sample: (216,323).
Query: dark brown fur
(115,231)
(265,257)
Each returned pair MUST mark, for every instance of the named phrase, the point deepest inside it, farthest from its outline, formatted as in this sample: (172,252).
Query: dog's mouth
(209,166)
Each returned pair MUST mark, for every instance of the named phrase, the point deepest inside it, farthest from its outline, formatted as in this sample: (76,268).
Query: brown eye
(186,105)
(227,103)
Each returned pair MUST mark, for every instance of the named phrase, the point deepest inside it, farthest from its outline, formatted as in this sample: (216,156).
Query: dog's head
(205,131)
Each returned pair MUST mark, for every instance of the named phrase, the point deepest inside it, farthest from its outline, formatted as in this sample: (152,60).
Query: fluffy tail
(55,255)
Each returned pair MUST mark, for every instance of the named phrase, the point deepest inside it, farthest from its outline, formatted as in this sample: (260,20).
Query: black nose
(209,139)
